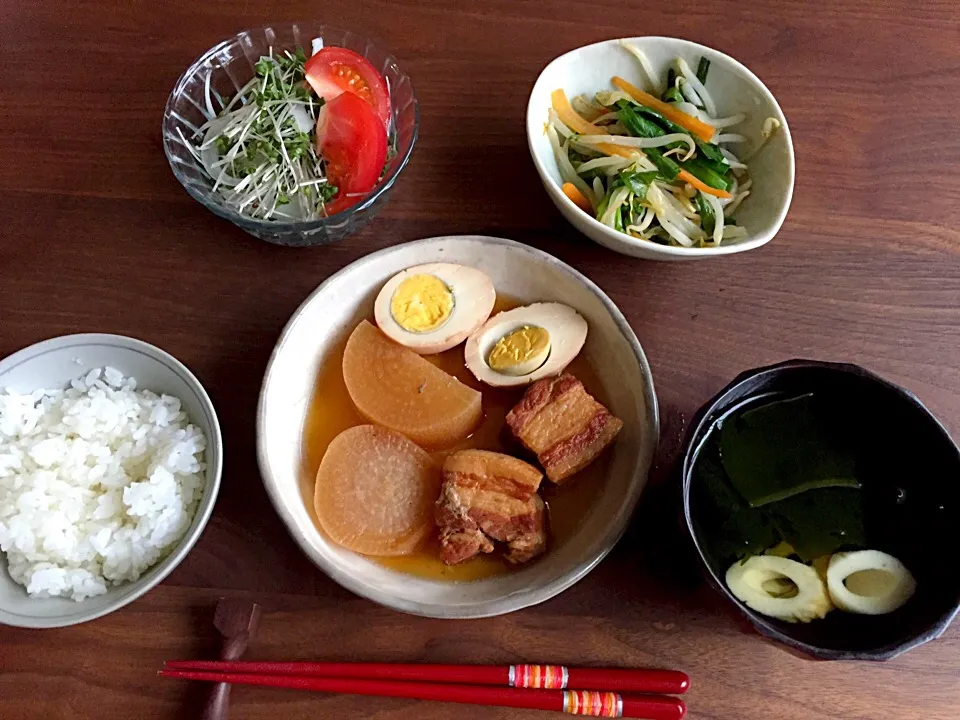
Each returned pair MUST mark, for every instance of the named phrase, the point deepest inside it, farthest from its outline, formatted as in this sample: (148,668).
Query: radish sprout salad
(657,166)
(304,139)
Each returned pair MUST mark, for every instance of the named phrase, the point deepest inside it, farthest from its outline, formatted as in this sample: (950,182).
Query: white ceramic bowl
(54,363)
(734,89)
(334,309)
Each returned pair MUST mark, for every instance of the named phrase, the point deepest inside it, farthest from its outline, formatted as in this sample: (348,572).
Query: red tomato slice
(353,142)
(335,70)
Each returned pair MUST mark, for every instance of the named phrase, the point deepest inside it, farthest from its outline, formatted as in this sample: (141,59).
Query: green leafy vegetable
(591,174)
(708,221)
(721,168)
(602,205)
(638,182)
(578,158)
(635,123)
(703,67)
(640,126)
(672,93)
(700,170)
(666,166)
(281,77)
(328,192)
(709,150)
(781,449)
(637,120)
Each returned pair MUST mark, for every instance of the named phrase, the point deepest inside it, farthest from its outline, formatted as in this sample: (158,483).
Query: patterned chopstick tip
(595,704)
(543,677)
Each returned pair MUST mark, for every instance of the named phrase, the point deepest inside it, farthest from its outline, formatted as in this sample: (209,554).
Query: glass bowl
(227,67)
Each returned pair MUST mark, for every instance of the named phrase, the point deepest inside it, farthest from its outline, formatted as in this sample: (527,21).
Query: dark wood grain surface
(98,236)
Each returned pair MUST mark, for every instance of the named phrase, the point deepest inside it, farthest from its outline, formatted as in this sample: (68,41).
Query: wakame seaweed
(798,470)
(820,522)
(735,530)
(784,448)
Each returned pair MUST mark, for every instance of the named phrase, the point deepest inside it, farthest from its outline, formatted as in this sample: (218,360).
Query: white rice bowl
(98,483)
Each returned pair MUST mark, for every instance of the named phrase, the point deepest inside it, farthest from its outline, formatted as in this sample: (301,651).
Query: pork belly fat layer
(493,471)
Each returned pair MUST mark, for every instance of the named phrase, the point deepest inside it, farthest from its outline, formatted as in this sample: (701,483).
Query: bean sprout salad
(656,166)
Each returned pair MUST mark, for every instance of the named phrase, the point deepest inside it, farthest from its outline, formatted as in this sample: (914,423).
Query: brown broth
(332,411)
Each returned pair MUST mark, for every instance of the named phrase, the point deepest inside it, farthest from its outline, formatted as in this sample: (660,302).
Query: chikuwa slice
(779,588)
(434,307)
(869,582)
(375,491)
(523,345)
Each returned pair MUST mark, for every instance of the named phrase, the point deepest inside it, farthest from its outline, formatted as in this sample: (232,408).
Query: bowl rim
(767,627)
(516,601)
(622,239)
(159,572)
(217,207)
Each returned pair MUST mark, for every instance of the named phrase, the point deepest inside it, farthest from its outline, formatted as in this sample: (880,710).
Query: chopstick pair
(538,687)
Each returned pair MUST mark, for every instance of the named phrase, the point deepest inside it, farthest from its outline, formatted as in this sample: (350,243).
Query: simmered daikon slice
(393,386)
(375,491)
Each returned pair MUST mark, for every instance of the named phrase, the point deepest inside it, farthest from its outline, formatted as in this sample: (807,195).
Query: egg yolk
(421,303)
(526,346)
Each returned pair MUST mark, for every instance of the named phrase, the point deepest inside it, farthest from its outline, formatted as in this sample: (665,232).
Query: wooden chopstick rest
(238,622)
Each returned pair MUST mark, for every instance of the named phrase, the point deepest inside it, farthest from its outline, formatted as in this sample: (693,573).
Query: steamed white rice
(98,482)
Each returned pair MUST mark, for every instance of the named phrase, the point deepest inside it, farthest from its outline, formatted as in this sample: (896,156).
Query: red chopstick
(575,702)
(557,677)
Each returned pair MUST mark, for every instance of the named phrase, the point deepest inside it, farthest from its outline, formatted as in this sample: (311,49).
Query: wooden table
(98,236)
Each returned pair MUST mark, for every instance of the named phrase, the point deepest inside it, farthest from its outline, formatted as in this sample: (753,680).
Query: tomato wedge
(334,70)
(353,142)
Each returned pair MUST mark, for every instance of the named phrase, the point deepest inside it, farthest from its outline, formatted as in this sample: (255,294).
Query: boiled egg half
(520,346)
(434,307)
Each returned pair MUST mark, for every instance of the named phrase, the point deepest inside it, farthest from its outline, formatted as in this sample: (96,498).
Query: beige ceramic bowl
(734,88)
(54,363)
(334,309)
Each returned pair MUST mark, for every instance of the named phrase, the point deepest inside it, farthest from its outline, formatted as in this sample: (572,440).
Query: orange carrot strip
(575,122)
(697,127)
(571,118)
(570,190)
(701,186)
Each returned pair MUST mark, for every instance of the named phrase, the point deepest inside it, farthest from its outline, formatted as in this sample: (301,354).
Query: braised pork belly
(489,497)
(563,424)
